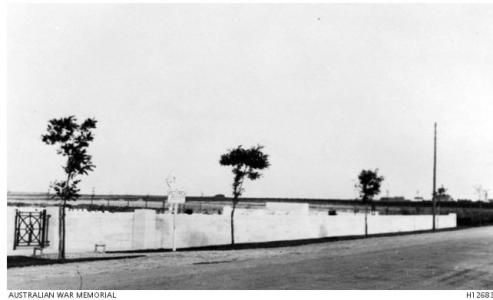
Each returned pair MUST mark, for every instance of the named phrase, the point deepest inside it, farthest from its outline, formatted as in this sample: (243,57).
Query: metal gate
(31,229)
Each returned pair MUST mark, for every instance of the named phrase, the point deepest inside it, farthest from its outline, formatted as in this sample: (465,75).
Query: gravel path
(461,259)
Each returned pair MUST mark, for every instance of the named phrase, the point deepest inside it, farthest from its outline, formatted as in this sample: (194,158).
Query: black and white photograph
(248,146)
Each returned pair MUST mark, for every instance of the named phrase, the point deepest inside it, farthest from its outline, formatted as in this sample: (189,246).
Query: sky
(328,89)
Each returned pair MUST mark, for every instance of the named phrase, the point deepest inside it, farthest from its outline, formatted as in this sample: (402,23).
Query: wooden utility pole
(434,176)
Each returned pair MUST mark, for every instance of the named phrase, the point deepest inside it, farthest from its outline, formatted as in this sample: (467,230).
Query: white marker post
(174,207)
(174,198)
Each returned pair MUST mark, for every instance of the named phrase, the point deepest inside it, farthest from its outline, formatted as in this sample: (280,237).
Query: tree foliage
(72,140)
(246,163)
(441,192)
(369,184)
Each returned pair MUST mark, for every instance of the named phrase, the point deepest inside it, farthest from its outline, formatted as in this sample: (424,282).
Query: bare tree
(482,194)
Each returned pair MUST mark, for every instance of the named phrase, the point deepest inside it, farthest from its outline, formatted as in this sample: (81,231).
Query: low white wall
(145,229)
(283,208)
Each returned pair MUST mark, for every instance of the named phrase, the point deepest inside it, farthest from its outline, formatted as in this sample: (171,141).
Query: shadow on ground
(286,243)
(25,261)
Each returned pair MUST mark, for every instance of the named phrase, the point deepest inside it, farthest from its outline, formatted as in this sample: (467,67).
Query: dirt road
(461,259)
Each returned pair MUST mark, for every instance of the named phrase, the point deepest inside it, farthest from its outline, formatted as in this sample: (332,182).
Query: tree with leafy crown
(246,163)
(368,186)
(73,140)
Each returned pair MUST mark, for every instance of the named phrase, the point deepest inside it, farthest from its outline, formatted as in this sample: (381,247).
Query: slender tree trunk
(61,231)
(480,213)
(236,194)
(233,223)
(366,220)
(61,222)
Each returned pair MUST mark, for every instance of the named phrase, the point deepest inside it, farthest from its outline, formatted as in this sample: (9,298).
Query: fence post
(16,233)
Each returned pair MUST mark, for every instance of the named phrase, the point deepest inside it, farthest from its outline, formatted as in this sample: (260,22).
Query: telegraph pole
(434,175)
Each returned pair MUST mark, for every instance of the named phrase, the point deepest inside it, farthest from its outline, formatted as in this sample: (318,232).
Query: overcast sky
(328,89)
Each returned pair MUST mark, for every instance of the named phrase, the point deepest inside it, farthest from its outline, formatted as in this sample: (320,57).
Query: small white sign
(176,196)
